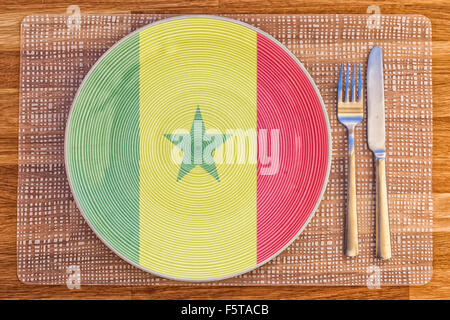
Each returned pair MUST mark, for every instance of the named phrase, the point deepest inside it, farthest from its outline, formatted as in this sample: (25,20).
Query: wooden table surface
(13,11)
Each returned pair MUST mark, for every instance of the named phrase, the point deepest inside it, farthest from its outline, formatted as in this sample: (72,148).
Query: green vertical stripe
(103,148)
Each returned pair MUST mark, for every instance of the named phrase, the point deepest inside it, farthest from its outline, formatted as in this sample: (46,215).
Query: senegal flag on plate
(197,148)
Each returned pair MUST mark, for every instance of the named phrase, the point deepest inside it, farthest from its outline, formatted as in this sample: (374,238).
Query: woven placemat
(53,239)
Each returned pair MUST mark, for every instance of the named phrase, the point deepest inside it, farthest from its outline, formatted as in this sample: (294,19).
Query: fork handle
(351,224)
(382,212)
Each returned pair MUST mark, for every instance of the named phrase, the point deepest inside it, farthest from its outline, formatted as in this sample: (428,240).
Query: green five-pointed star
(198,147)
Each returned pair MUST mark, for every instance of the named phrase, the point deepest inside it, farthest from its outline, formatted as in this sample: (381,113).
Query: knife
(376,141)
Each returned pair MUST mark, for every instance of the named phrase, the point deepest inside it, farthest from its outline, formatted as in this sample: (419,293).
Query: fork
(350,113)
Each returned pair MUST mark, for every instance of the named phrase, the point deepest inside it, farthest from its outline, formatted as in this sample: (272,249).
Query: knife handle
(351,223)
(382,211)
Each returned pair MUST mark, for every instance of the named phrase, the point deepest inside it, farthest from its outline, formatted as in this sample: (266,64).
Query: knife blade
(377,143)
(375,102)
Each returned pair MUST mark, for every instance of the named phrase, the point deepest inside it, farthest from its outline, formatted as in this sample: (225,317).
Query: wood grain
(11,14)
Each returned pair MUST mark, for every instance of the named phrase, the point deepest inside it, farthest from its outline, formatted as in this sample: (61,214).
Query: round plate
(198,148)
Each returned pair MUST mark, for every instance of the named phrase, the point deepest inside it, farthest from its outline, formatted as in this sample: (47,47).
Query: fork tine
(340,86)
(346,95)
(359,83)
(353,83)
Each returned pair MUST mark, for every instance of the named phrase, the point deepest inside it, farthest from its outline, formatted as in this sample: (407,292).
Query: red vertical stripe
(288,102)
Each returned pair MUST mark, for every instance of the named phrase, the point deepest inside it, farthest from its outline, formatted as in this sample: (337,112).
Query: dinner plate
(197,148)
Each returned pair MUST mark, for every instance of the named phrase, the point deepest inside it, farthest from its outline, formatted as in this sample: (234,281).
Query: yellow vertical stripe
(198,227)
